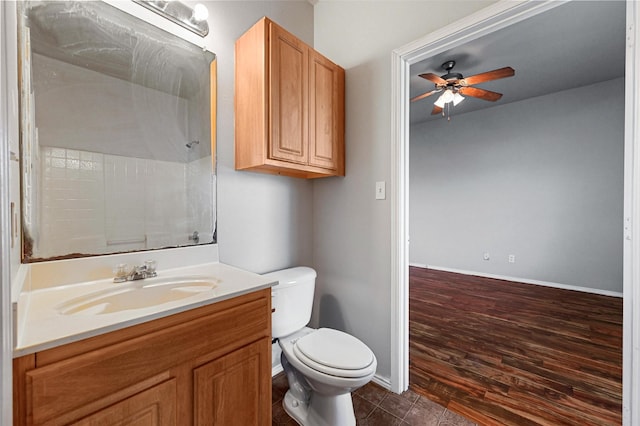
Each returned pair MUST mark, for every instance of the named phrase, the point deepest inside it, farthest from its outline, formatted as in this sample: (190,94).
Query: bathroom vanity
(203,360)
(210,365)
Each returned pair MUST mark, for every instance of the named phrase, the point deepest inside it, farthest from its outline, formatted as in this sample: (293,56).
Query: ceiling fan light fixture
(452,84)
(457,98)
(445,98)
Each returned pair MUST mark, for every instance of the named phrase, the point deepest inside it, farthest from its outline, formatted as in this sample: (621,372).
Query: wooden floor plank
(507,353)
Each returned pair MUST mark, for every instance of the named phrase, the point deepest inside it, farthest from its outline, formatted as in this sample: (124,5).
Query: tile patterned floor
(375,406)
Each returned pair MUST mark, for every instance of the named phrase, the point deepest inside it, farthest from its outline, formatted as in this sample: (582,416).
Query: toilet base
(321,410)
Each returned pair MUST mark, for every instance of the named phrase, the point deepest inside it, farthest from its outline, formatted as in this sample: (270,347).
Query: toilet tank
(292,299)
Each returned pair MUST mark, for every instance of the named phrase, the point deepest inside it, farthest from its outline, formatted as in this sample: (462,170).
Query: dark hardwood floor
(504,353)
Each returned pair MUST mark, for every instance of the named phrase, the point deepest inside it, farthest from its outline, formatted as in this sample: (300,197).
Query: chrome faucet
(123,273)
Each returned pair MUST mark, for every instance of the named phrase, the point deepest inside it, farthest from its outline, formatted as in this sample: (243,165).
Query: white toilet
(323,366)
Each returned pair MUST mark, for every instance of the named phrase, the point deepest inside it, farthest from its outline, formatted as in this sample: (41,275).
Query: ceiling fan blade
(476,92)
(434,78)
(424,95)
(436,110)
(488,76)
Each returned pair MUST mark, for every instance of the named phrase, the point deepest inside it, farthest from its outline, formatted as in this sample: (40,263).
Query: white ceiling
(572,45)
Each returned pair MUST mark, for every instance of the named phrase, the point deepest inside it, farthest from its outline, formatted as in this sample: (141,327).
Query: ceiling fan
(453,85)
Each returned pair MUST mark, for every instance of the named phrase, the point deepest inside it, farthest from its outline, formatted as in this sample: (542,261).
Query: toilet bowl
(323,366)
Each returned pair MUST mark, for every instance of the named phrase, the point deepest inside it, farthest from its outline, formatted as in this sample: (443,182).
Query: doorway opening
(485,22)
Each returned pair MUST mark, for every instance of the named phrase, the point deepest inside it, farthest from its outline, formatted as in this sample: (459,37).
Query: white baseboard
(382,381)
(418,265)
(526,281)
(276,369)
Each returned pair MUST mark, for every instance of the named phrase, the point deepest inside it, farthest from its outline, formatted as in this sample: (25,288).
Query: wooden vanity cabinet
(289,106)
(206,366)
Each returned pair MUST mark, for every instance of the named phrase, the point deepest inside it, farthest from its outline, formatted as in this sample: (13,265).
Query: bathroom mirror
(117,133)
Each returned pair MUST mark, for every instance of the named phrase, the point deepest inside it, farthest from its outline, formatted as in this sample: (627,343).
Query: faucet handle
(120,271)
(150,267)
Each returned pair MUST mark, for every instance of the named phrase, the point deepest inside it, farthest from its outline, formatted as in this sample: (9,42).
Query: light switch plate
(381,192)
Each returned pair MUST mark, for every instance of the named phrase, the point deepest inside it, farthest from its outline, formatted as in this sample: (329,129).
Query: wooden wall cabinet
(207,366)
(289,106)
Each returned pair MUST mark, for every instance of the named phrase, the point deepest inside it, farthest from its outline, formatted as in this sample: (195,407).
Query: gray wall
(541,179)
(264,221)
(351,230)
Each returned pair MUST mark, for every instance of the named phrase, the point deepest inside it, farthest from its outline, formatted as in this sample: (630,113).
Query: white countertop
(44,327)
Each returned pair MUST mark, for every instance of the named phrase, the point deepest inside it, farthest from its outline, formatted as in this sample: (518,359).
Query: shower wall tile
(165,201)
(124,189)
(200,182)
(95,203)
(72,209)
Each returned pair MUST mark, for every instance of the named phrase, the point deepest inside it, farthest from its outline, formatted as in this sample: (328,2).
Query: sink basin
(137,295)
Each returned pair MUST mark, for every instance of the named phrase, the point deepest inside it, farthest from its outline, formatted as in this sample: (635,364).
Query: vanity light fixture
(195,20)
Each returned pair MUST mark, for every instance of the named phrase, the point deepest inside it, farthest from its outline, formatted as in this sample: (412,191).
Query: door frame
(6,327)
(486,21)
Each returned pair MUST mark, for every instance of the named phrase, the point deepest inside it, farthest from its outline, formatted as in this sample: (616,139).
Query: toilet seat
(335,353)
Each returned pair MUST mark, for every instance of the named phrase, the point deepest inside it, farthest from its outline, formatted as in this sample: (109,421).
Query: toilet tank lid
(291,276)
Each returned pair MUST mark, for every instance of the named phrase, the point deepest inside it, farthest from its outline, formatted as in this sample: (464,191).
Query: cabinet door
(288,100)
(153,407)
(326,113)
(235,389)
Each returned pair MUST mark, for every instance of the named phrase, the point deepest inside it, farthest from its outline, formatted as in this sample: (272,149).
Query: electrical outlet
(486,255)
(512,258)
